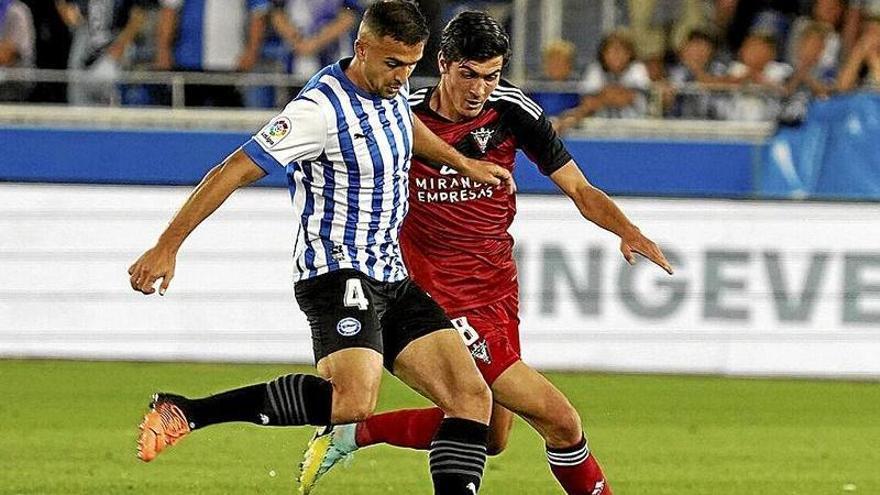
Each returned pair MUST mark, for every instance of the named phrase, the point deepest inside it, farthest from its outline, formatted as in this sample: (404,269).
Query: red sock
(411,428)
(577,470)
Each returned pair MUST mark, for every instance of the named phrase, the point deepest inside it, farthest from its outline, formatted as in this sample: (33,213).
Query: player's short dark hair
(473,35)
(399,19)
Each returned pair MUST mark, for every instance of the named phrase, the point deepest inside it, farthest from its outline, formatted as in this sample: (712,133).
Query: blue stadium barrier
(629,167)
(834,154)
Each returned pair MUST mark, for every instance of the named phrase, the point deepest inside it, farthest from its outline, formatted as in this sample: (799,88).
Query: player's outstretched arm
(598,208)
(236,171)
(428,145)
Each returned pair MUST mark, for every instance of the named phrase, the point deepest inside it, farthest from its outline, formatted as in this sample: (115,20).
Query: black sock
(458,456)
(288,400)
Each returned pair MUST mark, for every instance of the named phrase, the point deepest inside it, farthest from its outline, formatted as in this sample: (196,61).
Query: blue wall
(176,157)
(834,154)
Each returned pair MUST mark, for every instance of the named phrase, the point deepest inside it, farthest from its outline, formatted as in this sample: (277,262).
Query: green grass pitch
(70,427)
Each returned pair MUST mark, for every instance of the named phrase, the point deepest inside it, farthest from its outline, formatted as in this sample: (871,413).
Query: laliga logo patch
(348,327)
(276,131)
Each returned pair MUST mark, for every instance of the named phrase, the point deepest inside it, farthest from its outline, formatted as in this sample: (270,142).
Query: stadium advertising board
(760,287)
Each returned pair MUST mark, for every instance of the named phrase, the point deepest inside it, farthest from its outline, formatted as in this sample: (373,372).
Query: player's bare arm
(598,208)
(236,171)
(427,145)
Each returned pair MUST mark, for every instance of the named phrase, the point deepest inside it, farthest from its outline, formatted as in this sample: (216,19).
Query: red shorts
(492,335)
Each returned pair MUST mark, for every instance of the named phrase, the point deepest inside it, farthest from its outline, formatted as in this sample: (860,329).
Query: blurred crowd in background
(745,60)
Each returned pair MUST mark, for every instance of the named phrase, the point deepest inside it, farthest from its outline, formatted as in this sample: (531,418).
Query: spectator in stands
(52,47)
(211,36)
(810,77)
(693,77)
(659,25)
(558,62)
(862,68)
(856,15)
(316,32)
(827,13)
(140,57)
(771,17)
(105,30)
(16,46)
(616,86)
(760,78)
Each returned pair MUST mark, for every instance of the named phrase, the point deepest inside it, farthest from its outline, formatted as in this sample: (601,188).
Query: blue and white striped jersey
(347,156)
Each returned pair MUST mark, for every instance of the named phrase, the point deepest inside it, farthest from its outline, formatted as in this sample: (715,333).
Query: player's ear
(360,49)
(442,63)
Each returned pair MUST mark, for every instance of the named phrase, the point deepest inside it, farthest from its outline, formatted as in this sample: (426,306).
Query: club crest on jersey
(276,130)
(482,137)
(348,327)
(481,351)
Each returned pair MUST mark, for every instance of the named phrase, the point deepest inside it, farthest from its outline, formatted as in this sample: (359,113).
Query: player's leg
(415,428)
(351,358)
(436,364)
(439,367)
(499,429)
(425,353)
(530,395)
(491,352)
(355,374)
(289,400)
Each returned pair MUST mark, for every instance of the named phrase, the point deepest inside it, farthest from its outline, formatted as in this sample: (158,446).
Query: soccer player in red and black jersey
(456,246)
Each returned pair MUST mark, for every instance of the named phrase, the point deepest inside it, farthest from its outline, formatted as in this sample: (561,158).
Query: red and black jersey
(455,240)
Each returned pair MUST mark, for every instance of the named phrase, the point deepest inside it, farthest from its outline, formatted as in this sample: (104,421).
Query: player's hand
(158,262)
(639,244)
(488,173)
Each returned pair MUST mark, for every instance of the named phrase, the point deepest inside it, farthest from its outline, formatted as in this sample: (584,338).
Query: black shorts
(347,308)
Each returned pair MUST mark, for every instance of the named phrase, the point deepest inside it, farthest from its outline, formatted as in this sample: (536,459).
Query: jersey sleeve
(536,136)
(298,133)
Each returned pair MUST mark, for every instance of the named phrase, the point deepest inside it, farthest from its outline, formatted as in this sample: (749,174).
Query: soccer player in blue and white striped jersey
(345,143)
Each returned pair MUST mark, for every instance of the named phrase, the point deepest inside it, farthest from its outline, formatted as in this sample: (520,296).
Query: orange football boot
(163,426)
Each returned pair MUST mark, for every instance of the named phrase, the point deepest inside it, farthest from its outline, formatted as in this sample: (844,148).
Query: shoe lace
(173,420)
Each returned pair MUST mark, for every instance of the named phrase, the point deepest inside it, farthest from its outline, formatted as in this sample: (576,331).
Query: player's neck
(441,102)
(355,74)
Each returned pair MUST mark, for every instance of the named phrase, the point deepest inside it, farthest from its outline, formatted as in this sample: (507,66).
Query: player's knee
(352,411)
(496,445)
(471,399)
(478,393)
(352,406)
(566,428)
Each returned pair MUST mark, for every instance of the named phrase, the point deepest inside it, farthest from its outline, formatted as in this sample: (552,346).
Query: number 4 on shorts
(354,295)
